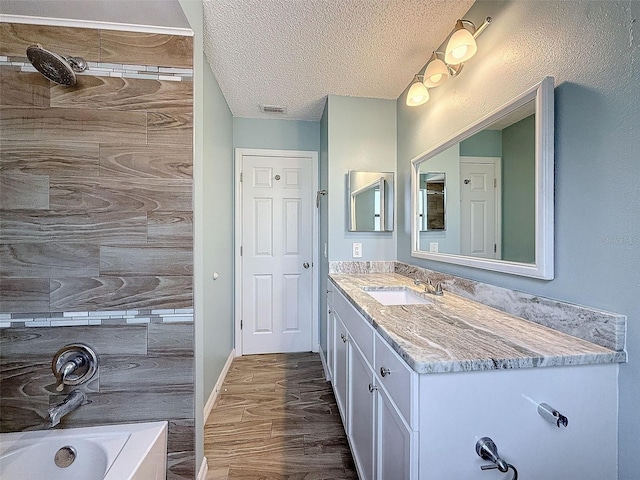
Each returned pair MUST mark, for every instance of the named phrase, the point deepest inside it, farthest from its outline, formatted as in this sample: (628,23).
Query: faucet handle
(438,289)
(487,450)
(74,364)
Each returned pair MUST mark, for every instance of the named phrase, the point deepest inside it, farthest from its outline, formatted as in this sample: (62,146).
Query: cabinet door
(341,365)
(395,441)
(361,414)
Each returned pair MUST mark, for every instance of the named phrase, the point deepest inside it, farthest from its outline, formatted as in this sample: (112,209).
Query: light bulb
(436,72)
(417,95)
(461,46)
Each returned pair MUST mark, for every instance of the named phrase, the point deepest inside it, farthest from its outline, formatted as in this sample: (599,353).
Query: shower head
(58,69)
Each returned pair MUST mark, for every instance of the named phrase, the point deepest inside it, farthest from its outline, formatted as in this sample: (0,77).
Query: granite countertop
(454,334)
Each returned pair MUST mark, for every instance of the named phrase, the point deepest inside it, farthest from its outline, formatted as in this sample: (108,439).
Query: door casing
(239,153)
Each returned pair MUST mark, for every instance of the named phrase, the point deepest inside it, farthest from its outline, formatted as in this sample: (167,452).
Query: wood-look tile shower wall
(95,180)
(96,215)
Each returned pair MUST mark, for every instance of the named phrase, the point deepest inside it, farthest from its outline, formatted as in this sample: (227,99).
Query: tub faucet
(72,402)
(428,286)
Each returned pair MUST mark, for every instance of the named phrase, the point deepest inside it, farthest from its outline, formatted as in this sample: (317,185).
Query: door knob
(305,264)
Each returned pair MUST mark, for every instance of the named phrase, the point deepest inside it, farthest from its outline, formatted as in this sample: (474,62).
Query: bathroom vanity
(417,385)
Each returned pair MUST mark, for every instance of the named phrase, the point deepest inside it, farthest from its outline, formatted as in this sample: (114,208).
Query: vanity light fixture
(460,47)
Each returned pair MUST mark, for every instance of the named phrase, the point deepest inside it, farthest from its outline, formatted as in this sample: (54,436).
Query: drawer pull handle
(372,388)
(343,337)
(384,371)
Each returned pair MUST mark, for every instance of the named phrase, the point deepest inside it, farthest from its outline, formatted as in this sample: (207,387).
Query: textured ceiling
(294,53)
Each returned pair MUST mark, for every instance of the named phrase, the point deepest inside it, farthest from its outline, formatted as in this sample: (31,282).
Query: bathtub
(136,451)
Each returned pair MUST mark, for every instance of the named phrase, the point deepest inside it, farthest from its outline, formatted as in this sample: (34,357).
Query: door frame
(312,156)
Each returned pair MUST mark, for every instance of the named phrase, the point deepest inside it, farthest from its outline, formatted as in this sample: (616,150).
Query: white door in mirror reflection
(480,207)
(277,214)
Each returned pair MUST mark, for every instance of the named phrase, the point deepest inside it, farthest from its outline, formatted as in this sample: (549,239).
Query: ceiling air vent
(273,109)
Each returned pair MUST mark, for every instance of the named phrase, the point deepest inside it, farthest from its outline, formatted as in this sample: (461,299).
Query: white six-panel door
(479,212)
(277,254)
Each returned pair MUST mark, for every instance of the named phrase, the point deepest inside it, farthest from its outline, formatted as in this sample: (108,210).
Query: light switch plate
(433,247)
(357,250)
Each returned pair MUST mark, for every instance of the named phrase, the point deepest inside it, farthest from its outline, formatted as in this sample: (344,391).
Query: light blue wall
(486,143)
(597,202)
(518,191)
(361,136)
(276,134)
(218,228)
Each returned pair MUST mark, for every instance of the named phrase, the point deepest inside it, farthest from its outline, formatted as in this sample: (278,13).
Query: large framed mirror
(498,175)
(370,201)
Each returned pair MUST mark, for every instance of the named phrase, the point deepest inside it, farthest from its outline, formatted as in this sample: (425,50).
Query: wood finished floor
(276,418)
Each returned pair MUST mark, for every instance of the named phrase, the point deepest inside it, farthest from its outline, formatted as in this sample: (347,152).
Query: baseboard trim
(324,365)
(204,469)
(216,388)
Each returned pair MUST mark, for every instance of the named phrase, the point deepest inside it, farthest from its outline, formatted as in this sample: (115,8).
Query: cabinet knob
(384,371)
(372,388)
(343,337)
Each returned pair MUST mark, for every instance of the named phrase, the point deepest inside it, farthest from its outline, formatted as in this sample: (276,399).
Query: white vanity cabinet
(365,372)
(403,425)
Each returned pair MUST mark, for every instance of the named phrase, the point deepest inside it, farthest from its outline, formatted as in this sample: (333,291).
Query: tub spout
(72,402)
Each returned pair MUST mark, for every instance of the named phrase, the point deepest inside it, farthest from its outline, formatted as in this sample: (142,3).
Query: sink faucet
(72,402)
(428,286)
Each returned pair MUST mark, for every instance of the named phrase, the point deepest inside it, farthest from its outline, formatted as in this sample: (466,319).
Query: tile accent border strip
(122,70)
(120,317)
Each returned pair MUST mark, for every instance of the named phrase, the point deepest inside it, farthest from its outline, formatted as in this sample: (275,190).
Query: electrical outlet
(357,250)
(433,247)
(325,249)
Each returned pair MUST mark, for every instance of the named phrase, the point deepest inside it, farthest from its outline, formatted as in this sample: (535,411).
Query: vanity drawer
(361,332)
(399,381)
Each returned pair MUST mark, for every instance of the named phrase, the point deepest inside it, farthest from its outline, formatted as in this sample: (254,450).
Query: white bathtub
(136,451)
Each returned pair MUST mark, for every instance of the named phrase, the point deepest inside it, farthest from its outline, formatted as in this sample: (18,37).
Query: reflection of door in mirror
(480,206)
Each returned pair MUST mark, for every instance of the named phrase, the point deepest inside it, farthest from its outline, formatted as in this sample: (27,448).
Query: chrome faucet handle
(69,368)
(74,364)
(487,450)
(438,289)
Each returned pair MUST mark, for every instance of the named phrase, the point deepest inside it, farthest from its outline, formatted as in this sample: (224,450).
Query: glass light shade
(461,46)
(417,95)
(436,73)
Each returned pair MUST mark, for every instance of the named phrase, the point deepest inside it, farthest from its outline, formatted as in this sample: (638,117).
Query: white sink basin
(395,295)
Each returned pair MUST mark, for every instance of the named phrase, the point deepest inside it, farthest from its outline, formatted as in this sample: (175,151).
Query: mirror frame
(543,267)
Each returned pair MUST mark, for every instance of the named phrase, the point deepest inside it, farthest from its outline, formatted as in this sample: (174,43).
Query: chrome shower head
(58,69)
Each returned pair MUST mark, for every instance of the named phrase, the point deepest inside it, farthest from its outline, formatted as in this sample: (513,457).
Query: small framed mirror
(370,201)
(485,197)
